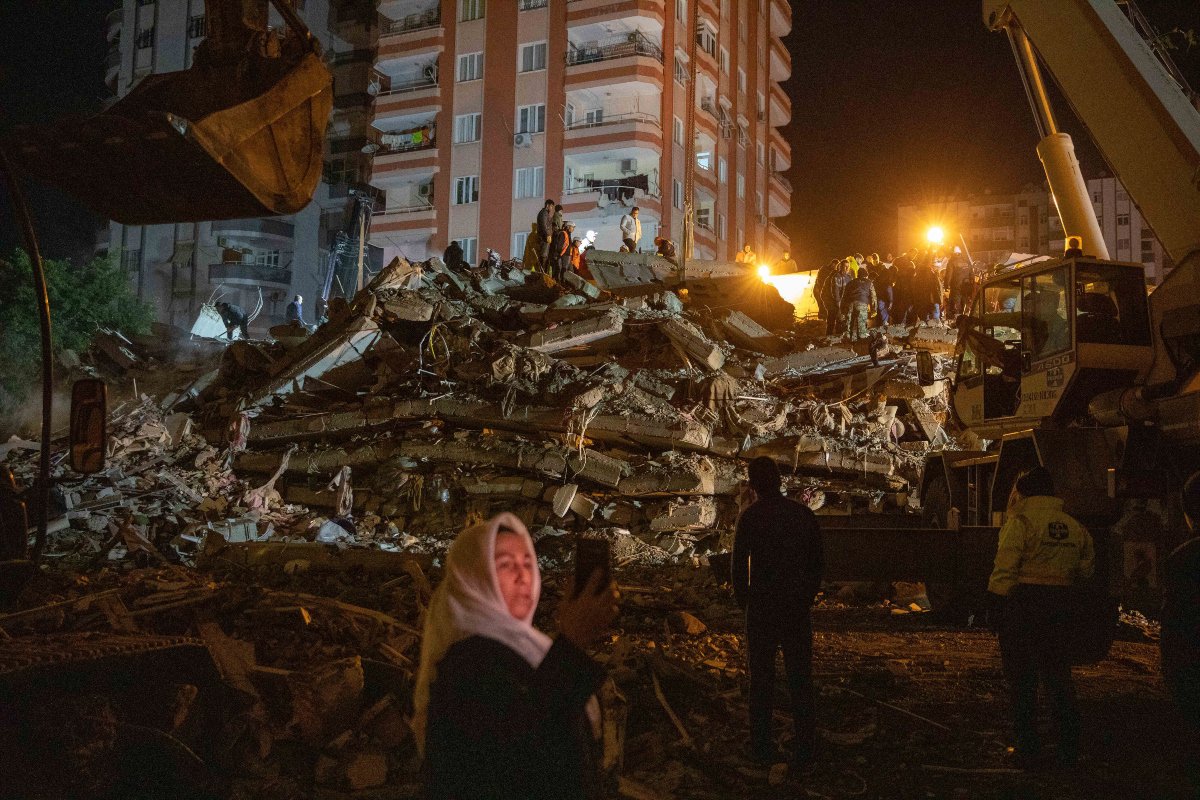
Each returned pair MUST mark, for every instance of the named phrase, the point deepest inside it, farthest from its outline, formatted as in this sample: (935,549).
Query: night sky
(894,101)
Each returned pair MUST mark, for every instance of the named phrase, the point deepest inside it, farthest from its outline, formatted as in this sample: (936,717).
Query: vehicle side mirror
(89,425)
(1026,361)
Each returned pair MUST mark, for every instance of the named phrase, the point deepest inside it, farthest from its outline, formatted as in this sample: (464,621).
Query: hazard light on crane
(935,234)
(764,271)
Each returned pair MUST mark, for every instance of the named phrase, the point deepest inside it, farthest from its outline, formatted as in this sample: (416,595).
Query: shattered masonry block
(598,467)
(696,513)
(667,301)
(579,284)
(510,485)
(563,497)
(569,301)
(409,307)
(747,333)
(652,385)
(934,338)
(584,506)
(690,340)
(809,360)
(578,333)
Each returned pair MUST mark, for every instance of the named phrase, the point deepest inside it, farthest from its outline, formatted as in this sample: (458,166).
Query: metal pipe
(42,488)
(1031,77)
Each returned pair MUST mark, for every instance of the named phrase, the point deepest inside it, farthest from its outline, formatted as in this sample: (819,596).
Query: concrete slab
(688,338)
(583,332)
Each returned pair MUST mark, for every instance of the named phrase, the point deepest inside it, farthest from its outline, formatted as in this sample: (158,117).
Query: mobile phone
(592,555)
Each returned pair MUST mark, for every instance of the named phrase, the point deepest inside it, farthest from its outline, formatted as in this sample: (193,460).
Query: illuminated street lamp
(935,235)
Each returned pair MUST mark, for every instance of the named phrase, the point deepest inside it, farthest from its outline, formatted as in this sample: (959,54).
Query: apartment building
(995,225)
(179,267)
(484,108)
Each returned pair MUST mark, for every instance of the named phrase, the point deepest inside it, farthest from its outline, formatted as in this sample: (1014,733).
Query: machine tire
(946,599)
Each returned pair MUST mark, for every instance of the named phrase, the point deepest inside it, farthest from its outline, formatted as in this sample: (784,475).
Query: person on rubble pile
(823,275)
(746,255)
(576,255)
(500,709)
(545,231)
(959,277)
(560,251)
(782,540)
(531,260)
(557,220)
(631,229)
(927,291)
(835,292)
(453,256)
(786,265)
(857,303)
(883,275)
(295,310)
(234,317)
(665,248)
(902,302)
(1043,553)
(1180,640)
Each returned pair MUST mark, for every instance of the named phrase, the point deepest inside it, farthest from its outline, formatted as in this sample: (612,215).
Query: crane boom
(1140,119)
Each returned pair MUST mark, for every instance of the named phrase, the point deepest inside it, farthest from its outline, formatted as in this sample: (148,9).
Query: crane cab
(1044,339)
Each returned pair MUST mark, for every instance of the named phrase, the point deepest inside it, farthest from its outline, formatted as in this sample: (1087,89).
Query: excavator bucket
(241,133)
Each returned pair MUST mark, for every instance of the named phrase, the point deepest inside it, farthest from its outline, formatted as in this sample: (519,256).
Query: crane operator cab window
(1110,305)
(1045,314)
(995,352)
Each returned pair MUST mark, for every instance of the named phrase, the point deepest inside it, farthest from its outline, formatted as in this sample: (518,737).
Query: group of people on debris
(504,710)
(921,285)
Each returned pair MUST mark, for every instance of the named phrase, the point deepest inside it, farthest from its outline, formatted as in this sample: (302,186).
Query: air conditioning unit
(425,189)
(522,139)
(628,166)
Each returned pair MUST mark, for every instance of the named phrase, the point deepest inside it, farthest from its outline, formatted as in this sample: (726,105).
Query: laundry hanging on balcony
(619,190)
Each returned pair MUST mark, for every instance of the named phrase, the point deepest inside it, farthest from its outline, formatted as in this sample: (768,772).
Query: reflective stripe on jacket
(1041,544)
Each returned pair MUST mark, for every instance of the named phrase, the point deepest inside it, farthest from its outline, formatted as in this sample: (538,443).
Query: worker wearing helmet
(1043,553)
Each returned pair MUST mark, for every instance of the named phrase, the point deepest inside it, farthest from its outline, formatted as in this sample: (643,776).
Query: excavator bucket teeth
(216,141)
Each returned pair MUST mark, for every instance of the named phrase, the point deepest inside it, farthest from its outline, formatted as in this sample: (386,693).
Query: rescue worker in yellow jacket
(1043,553)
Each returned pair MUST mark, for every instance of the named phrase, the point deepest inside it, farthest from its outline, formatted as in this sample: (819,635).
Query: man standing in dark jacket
(545,229)
(823,275)
(858,301)
(776,573)
(835,290)
(902,302)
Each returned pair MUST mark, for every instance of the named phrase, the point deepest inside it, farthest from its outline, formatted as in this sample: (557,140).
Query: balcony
(403,224)
(781,61)
(255,227)
(781,18)
(612,197)
(394,106)
(646,13)
(629,58)
(404,51)
(240,273)
(419,21)
(776,236)
(781,106)
(779,196)
(530,5)
(782,150)
(635,130)
(398,161)
(112,63)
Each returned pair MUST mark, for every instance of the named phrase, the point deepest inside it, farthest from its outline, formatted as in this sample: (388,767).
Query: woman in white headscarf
(502,710)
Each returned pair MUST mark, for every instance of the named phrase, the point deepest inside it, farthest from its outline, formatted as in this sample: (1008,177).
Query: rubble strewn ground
(236,602)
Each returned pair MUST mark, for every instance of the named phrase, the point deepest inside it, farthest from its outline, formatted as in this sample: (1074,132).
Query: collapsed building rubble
(313,485)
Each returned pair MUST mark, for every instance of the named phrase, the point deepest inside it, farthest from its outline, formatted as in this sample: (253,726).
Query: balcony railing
(260,273)
(616,190)
(784,182)
(413,209)
(530,5)
(388,147)
(616,119)
(633,44)
(413,85)
(255,225)
(414,22)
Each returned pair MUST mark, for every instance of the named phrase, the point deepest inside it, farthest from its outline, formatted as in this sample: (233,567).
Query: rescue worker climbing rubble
(857,303)
(1043,553)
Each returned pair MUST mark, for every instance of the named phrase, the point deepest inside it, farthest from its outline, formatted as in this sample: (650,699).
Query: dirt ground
(906,708)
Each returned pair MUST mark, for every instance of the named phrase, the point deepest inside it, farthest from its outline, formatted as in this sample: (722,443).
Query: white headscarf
(468,603)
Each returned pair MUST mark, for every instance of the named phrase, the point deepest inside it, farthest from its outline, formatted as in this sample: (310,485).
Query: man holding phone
(776,574)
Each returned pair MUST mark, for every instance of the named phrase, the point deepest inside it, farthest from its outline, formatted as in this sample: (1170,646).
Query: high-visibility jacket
(1041,544)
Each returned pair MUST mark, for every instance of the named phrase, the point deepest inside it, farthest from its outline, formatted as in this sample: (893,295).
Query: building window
(469,10)
(468,128)
(470,245)
(470,67)
(519,240)
(569,114)
(741,239)
(681,10)
(530,182)
(267,258)
(681,71)
(741,185)
(531,119)
(131,260)
(466,190)
(1122,244)
(758,201)
(677,130)
(706,37)
(761,153)
(144,39)
(722,170)
(762,107)
(593,116)
(724,61)
(704,217)
(677,193)
(721,226)
(704,160)
(197,27)
(1122,219)
(741,80)
(533,57)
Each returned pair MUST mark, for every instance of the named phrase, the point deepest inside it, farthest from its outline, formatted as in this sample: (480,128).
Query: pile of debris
(437,396)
